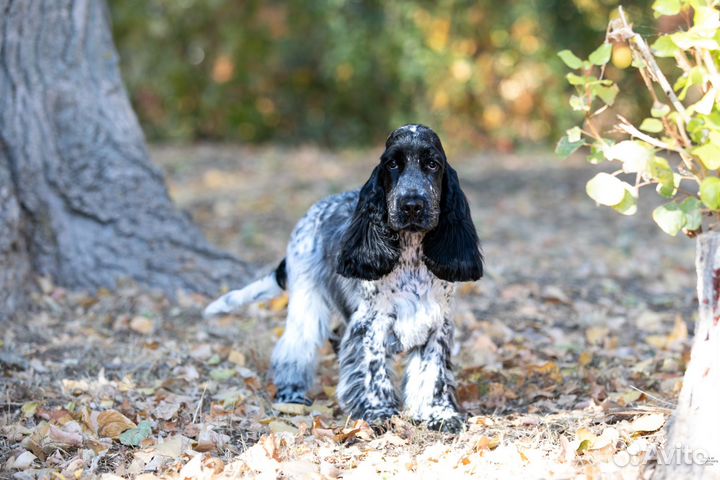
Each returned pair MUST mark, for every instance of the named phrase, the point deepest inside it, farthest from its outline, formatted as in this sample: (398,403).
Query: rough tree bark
(694,432)
(80,200)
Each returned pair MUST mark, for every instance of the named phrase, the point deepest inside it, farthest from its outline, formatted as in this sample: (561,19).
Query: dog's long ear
(451,250)
(369,249)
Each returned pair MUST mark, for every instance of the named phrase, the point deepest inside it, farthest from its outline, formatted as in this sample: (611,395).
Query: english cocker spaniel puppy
(385,258)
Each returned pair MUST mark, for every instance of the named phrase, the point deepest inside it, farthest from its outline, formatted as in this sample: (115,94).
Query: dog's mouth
(414,228)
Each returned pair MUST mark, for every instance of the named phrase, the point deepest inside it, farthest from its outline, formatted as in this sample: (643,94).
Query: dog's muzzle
(413,213)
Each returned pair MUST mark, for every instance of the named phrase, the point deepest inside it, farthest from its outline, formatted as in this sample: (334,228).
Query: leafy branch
(684,121)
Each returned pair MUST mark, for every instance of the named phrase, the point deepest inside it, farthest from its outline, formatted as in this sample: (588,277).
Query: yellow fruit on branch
(621,56)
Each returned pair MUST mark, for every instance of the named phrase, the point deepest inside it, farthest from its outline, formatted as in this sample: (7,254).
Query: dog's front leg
(429,387)
(366,387)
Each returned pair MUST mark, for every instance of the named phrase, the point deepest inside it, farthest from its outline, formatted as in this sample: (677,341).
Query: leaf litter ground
(569,352)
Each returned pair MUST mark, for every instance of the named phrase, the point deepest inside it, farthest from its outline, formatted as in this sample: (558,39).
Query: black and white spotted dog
(386,259)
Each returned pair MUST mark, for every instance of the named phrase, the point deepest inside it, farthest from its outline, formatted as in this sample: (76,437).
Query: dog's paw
(446,422)
(379,418)
(379,414)
(291,395)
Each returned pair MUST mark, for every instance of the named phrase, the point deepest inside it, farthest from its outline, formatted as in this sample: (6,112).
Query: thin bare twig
(682,61)
(625,32)
(199,405)
(649,395)
(599,111)
(712,68)
(628,128)
(638,42)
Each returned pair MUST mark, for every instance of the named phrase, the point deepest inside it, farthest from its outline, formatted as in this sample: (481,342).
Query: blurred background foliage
(346,72)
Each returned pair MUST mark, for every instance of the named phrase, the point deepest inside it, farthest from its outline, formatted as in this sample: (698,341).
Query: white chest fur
(413,299)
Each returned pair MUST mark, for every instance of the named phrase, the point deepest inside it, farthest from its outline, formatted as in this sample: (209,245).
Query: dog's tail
(270,286)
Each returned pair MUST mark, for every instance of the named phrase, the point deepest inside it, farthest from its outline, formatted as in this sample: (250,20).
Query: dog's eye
(392,164)
(432,165)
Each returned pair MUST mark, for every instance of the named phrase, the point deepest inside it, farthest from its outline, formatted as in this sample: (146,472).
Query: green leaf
(666,7)
(584,446)
(652,125)
(565,147)
(669,189)
(135,436)
(579,103)
(669,218)
(595,157)
(601,55)
(659,170)
(705,104)
(222,374)
(706,21)
(710,193)
(659,110)
(634,154)
(696,76)
(574,134)
(693,39)
(709,155)
(606,189)
(664,46)
(597,152)
(607,94)
(570,59)
(29,409)
(691,207)
(638,62)
(574,79)
(628,205)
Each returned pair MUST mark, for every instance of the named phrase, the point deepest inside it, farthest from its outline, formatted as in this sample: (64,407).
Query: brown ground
(570,349)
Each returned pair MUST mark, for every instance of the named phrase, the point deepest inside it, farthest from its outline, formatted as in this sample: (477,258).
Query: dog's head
(413,189)
(412,170)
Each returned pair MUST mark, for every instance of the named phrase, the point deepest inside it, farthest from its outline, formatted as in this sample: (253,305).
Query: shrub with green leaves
(676,149)
(346,72)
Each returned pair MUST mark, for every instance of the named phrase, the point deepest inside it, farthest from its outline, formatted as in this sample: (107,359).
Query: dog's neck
(411,246)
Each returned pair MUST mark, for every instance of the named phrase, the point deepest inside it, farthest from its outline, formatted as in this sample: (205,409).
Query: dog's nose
(412,207)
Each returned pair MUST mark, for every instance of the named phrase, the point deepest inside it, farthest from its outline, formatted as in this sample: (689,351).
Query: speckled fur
(404,309)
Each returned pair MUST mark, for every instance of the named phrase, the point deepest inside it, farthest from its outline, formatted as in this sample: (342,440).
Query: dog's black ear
(451,250)
(369,249)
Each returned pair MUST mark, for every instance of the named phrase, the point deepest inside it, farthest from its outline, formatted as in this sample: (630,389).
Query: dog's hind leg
(294,359)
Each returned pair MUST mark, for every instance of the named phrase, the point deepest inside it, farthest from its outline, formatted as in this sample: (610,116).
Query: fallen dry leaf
(647,423)
(279,304)
(142,325)
(291,408)
(112,423)
(172,447)
(487,443)
(596,335)
(22,461)
(166,410)
(238,358)
(29,408)
(209,440)
(280,426)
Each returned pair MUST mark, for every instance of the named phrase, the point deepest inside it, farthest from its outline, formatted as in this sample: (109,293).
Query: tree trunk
(694,432)
(79,199)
